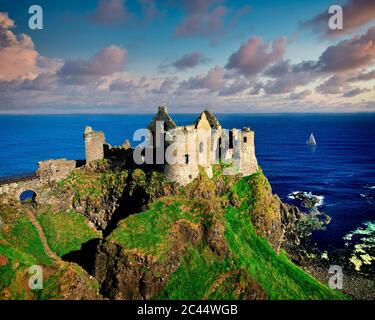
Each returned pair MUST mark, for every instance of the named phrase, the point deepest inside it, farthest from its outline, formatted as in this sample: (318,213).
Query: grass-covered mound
(201,244)
(65,231)
(97,191)
(22,248)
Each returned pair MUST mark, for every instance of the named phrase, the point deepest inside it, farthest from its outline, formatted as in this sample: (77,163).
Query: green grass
(280,278)
(150,231)
(251,265)
(21,246)
(196,275)
(65,231)
(93,186)
(25,238)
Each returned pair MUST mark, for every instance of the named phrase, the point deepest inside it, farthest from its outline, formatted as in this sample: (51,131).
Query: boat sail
(311,140)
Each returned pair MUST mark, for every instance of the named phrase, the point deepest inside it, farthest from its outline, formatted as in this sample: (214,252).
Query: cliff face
(97,192)
(218,238)
(209,240)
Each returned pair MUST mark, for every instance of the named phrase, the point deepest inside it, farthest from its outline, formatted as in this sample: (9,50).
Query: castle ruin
(178,151)
(201,144)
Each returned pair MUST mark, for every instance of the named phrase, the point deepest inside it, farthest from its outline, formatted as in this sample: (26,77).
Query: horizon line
(192,113)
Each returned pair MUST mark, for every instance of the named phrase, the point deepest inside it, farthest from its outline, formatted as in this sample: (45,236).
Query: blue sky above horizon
(100,56)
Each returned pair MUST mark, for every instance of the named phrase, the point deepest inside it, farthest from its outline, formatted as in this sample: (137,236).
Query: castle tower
(159,125)
(248,161)
(183,147)
(203,143)
(94,144)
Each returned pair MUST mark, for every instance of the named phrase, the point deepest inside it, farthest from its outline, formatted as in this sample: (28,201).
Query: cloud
(187,61)
(190,60)
(105,63)
(203,18)
(299,95)
(356,13)
(18,57)
(354,92)
(278,69)
(364,76)
(254,55)
(213,81)
(149,9)
(110,12)
(236,87)
(334,85)
(122,85)
(357,52)
(166,86)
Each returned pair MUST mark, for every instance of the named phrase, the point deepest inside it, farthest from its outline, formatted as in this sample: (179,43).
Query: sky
(129,56)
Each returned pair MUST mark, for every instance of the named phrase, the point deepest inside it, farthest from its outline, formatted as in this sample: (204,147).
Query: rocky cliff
(142,237)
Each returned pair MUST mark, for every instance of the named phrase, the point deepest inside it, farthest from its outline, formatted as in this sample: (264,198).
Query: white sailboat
(311,140)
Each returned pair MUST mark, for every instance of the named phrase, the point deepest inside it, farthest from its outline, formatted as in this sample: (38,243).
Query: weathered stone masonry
(48,172)
(212,143)
(206,134)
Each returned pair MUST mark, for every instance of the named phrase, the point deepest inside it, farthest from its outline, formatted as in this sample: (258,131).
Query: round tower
(94,144)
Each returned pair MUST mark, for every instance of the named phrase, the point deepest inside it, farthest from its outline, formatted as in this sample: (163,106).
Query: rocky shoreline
(356,284)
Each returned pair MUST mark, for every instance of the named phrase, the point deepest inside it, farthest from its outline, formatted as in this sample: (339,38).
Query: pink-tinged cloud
(254,55)
(18,57)
(353,54)
(110,12)
(365,76)
(105,63)
(356,13)
(213,81)
(203,18)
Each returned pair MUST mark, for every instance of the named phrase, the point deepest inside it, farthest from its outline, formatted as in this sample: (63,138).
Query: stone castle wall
(249,163)
(211,145)
(47,172)
(94,144)
(55,170)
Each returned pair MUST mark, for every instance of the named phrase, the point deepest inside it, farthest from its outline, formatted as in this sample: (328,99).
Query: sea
(339,171)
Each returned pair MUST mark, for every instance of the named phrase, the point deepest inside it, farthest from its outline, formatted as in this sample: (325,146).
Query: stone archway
(27,196)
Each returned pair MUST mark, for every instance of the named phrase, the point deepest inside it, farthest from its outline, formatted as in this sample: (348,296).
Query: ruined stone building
(179,151)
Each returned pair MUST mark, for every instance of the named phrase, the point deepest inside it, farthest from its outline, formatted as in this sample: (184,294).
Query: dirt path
(41,235)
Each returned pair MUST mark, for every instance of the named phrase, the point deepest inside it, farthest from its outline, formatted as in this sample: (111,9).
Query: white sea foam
(370,187)
(293,196)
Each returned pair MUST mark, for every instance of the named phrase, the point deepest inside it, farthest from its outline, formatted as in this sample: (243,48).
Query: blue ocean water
(341,169)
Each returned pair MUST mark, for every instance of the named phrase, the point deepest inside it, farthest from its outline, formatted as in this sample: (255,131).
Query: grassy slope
(203,274)
(21,247)
(65,231)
